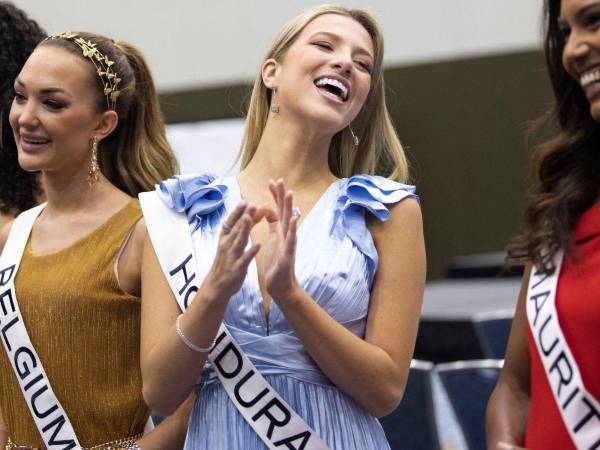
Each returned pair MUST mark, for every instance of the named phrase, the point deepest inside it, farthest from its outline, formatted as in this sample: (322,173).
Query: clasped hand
(231,262)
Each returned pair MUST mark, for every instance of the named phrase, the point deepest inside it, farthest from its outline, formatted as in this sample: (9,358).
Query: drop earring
(93,169)
(355,140)
(274,108)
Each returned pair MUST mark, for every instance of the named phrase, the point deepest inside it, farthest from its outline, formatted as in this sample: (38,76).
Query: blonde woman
(318,279)
(85,116)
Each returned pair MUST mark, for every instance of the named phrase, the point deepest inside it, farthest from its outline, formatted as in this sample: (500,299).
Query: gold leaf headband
(109,78)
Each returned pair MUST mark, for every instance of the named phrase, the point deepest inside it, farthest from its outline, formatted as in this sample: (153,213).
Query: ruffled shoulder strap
(367,193)
(200,197)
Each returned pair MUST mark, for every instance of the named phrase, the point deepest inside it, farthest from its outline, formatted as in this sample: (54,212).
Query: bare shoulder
(405,217)
(130,261)
(134,248)
(138,235)
(4,232)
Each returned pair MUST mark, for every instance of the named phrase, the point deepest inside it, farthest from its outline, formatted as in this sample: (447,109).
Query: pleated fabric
(336,261)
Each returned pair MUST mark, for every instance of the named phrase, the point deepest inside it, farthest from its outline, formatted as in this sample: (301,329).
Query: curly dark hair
(19,35)
(566,169)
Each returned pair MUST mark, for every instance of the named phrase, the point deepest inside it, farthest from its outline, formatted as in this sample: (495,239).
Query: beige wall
(464,77)
(463,124)
(200,43)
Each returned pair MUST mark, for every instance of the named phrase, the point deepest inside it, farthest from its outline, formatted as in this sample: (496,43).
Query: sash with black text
(49,416)
(275,422)
(579,410)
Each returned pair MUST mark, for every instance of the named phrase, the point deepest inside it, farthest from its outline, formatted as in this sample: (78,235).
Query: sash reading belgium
(48,414)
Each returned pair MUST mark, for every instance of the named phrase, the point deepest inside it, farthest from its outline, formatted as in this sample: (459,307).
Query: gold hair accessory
(109,78)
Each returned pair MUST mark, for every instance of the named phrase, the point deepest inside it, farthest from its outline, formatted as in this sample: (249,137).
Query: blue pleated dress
(336,261)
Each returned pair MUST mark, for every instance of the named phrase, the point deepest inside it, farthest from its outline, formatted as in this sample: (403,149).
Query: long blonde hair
(136,155)
(379,150)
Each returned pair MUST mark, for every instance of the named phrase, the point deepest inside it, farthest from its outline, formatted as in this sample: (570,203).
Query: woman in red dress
(547,394)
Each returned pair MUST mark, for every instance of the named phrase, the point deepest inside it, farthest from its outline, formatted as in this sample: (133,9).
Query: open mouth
(32,143)
(35,141)
(590,77)
(333,87)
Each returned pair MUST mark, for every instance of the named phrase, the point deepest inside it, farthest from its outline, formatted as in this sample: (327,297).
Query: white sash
(49,416)
(579,410)
(275,422)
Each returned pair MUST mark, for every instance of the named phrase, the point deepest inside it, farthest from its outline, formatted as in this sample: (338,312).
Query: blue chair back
(412,424)
(469,385)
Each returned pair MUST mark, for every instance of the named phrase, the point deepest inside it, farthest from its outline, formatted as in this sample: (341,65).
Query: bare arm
(508,407)
(372,371)
(170,434)
(169,368)
(4,231)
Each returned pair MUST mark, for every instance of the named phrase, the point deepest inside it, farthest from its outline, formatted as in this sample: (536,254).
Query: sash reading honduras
(579,410)
(49,416)
(275,422)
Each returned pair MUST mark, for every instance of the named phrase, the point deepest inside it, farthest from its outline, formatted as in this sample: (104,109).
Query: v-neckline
(321,198)
(253,267)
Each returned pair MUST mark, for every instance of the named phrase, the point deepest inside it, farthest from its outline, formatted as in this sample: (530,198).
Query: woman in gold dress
(85,116)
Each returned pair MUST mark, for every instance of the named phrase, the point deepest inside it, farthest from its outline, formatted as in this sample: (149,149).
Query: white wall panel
(207,147)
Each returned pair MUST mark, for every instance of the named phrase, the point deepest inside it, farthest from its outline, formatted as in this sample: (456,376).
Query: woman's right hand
(232,259)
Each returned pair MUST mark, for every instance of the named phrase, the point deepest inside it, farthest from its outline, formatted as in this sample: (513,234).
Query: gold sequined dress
(86,331)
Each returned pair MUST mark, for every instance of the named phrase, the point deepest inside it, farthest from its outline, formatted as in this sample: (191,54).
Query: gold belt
(114,445)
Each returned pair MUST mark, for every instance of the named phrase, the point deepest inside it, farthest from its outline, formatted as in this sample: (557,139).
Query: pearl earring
(355,139)
(274,108)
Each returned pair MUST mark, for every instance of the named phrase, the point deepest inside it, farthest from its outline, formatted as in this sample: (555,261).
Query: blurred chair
(451,308)
(492,330)
(468,385)
(412,424)
(482,265)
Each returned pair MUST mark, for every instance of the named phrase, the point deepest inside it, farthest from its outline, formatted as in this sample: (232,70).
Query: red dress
(578,307)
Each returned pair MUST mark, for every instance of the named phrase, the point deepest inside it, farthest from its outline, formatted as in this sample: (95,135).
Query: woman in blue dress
(320,279)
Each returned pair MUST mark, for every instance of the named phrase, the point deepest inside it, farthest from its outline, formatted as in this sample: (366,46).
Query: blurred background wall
(465,79)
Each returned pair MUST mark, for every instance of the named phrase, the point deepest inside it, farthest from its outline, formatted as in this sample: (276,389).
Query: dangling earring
(355,140)
(274,108)
(93,169)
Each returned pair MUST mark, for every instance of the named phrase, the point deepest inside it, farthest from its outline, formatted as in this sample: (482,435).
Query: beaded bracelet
(189,344)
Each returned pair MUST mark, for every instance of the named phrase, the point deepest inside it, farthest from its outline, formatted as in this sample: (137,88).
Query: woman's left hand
(280,249)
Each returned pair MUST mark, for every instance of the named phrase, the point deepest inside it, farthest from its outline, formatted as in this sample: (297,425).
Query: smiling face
(54,113)
(579,22)
(325,76)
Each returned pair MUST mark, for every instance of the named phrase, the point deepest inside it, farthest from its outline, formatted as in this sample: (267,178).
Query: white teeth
(336,83)
(35,141)
(589,77)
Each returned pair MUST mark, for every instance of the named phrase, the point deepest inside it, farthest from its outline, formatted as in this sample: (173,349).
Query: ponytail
(141,156)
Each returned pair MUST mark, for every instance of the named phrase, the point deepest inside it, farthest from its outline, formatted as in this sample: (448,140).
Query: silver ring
(296,212)
(226,228)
